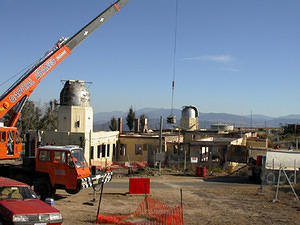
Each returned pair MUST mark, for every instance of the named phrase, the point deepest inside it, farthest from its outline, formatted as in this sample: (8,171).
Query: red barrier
(198,171)
(201,171)
(149,212)
(259,160)
(139,185)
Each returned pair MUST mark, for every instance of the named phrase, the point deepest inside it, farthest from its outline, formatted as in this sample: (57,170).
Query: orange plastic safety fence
(148,212)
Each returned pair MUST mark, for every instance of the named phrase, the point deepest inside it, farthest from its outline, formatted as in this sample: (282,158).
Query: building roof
(60,148)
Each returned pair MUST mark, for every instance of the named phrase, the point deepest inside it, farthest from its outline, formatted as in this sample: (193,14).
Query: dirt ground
(224,200)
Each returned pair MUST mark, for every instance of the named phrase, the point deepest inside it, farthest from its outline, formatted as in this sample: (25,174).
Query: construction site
(176,173)
(228,200)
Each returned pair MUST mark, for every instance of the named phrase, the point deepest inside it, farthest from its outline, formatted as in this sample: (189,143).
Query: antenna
(172,118)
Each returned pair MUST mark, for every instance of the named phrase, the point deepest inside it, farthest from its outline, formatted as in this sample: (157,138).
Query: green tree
(49,119)
(130,118)
(113,124)
(29,119)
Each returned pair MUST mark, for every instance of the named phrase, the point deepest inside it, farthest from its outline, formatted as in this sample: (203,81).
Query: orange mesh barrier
(148,212)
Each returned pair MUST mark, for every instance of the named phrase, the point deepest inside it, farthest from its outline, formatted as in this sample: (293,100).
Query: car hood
(28,206)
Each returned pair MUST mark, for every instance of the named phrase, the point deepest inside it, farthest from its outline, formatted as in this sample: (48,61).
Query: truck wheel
(43,188)
(270,178)
(73,192)
(292,178)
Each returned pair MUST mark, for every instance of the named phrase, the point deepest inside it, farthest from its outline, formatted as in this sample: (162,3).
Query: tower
(75,113)
(189,118)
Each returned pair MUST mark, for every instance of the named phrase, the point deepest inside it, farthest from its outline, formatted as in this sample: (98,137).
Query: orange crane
(19,92)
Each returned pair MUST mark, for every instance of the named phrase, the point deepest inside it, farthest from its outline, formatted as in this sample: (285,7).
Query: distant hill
(102,119)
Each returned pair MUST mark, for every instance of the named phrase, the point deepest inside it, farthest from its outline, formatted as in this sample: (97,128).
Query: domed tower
(75,113)
(189,118)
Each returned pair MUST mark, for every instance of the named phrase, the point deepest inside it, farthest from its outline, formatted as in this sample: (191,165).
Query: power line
(174,56)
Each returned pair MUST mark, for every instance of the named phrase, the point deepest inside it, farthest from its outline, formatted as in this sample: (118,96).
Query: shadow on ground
(228,179)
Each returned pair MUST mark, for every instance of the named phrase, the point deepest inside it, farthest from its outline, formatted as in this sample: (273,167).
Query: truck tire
(292,178)
(270,178)
(43,188)
(73,192)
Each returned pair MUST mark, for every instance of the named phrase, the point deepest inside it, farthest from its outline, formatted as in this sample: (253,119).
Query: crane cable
(15,75)
(174,56)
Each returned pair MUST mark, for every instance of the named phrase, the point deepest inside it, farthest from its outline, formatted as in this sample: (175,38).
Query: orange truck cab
(11,141)
(64,167)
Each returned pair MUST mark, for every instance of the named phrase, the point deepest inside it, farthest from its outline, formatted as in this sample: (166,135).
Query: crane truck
(52,167)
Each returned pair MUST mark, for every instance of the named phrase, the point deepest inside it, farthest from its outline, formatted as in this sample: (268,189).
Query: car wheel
(43,188)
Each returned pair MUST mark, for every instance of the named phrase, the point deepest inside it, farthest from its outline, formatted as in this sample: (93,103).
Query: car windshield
(79,158)
(17,193)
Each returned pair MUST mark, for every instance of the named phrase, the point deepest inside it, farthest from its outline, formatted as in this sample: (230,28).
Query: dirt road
(210,201)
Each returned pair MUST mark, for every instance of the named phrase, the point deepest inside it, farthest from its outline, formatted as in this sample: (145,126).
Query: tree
(130,118)
(49,120)
(113,124)
(29,119)
(143,119)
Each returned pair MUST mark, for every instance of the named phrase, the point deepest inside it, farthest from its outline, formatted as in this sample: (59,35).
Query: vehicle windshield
(17,193)
(78,157)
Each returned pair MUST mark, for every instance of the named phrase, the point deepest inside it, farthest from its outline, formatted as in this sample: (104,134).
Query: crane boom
(20,91)
(31,78)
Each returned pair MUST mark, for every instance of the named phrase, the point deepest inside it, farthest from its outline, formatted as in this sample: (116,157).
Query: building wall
(62,138)
(75,119)
(238,141)
(139,148)
(103,148)
(257,143)
(189,123)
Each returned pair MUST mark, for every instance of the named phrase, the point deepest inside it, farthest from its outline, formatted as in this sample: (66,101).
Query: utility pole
(160,144)
(251,120)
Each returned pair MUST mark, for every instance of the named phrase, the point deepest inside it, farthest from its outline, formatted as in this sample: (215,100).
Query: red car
(20,205)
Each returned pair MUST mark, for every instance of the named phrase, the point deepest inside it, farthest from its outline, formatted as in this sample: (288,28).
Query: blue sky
(233,56)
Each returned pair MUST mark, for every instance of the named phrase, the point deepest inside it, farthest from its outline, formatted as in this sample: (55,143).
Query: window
(77,124)
(150,149)
(59,157)
(123,149)
(18,140)
(92,152)
(44,155)
(3,136)
(103,151)
(175,149)
(145,147)
(69,161)
(108,149)
(138,149)
(11,135)
(98,151)
(114,149)
(10,142)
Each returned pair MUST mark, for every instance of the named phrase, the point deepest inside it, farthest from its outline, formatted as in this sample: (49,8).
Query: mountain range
(102,119)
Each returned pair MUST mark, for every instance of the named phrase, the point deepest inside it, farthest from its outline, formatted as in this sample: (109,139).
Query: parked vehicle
(266,168)
(56,167)
(20,205)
